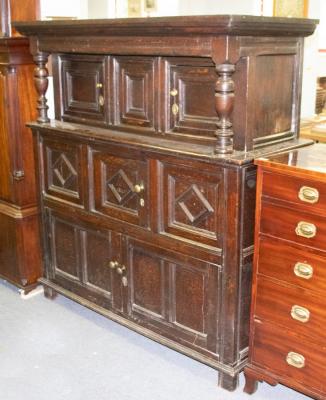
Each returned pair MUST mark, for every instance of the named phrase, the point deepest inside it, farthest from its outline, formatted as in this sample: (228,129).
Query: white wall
(202,7)
(64,8)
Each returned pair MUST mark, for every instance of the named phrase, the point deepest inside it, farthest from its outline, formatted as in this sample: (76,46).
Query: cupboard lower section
(170,297)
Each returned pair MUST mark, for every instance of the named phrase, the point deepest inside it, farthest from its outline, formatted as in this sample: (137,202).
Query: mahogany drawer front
(291,306)
(293,224)
(292,263)
(274,348)
(83,88)
(306,193)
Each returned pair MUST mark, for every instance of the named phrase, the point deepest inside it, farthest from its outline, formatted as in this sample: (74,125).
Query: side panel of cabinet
(176,294)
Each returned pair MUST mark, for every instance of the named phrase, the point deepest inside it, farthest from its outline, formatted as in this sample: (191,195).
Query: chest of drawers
(288,315)
(146,180)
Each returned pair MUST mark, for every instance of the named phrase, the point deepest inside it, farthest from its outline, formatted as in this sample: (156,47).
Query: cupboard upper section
(232,82)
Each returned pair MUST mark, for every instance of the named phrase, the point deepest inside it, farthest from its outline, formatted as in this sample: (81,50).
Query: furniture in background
(146,178)
(288,315)
(20,256)
(314,128)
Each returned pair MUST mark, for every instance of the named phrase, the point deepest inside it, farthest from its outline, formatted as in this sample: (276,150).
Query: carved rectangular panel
(134,92)
(121,186)
(63,171)
(192,204)
(191,97)
(173,292)
(65,254)
(83,88)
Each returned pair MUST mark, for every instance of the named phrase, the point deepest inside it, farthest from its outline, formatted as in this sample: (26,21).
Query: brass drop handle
(295,359)
(113,264)
(303,270)
(306,229)
(101,100)
(138,188)
(300,314)
(308,194)
(121,269)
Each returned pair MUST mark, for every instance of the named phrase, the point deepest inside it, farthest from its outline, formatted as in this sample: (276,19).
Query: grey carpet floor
(59,350)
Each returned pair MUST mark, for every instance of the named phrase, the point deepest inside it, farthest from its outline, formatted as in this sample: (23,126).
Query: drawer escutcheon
(295,359)
(303,270)
(308,194)
(300,314)
(306,229)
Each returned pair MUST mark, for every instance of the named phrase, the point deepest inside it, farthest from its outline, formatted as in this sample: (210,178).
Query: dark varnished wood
(143,220)
(17,10)
(20,259)
(277,287)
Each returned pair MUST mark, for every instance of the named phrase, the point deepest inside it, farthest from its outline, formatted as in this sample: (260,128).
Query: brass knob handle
(18,175)
(173,92)
(139,188)
(300,314)
(121,269)
(303,270)
(99,85)
(306,229)
(113,264)
(101,100)
(308,194)
(295,359)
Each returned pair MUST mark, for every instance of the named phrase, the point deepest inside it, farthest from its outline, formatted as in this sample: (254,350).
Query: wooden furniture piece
(146,177)
(314,129)
(287,336)
(20,257)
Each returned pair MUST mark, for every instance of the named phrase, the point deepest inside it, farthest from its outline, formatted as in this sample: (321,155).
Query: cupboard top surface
(242,25)
(310,160)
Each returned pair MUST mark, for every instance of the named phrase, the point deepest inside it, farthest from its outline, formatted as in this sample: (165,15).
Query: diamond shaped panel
(121,187)
(64,171)
(194,205)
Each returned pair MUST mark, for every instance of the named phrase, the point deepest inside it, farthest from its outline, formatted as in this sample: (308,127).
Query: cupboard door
(63,171)
(83,88)
(80,260)
(174,293)
(192,204)
(134,93)
(191,101)
(121,185)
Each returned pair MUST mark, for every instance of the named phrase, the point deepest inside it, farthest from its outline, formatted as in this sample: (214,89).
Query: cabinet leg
(251,384)
(49,293)
(227,381)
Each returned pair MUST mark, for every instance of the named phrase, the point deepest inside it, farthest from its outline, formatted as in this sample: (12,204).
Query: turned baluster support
(41,83)
(224,101)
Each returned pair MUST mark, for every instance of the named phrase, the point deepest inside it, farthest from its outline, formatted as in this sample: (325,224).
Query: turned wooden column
(41,83)
(224,101)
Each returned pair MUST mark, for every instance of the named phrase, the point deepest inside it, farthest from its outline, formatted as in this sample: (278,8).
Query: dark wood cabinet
(20,259)
(147,184)
(287,339)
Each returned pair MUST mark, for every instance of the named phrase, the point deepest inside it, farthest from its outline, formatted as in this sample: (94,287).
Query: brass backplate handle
(306,229)
(300,313)
(303,270)
(295,359)
(308,194)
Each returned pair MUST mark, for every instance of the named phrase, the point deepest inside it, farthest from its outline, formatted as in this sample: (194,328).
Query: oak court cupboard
(146,179)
